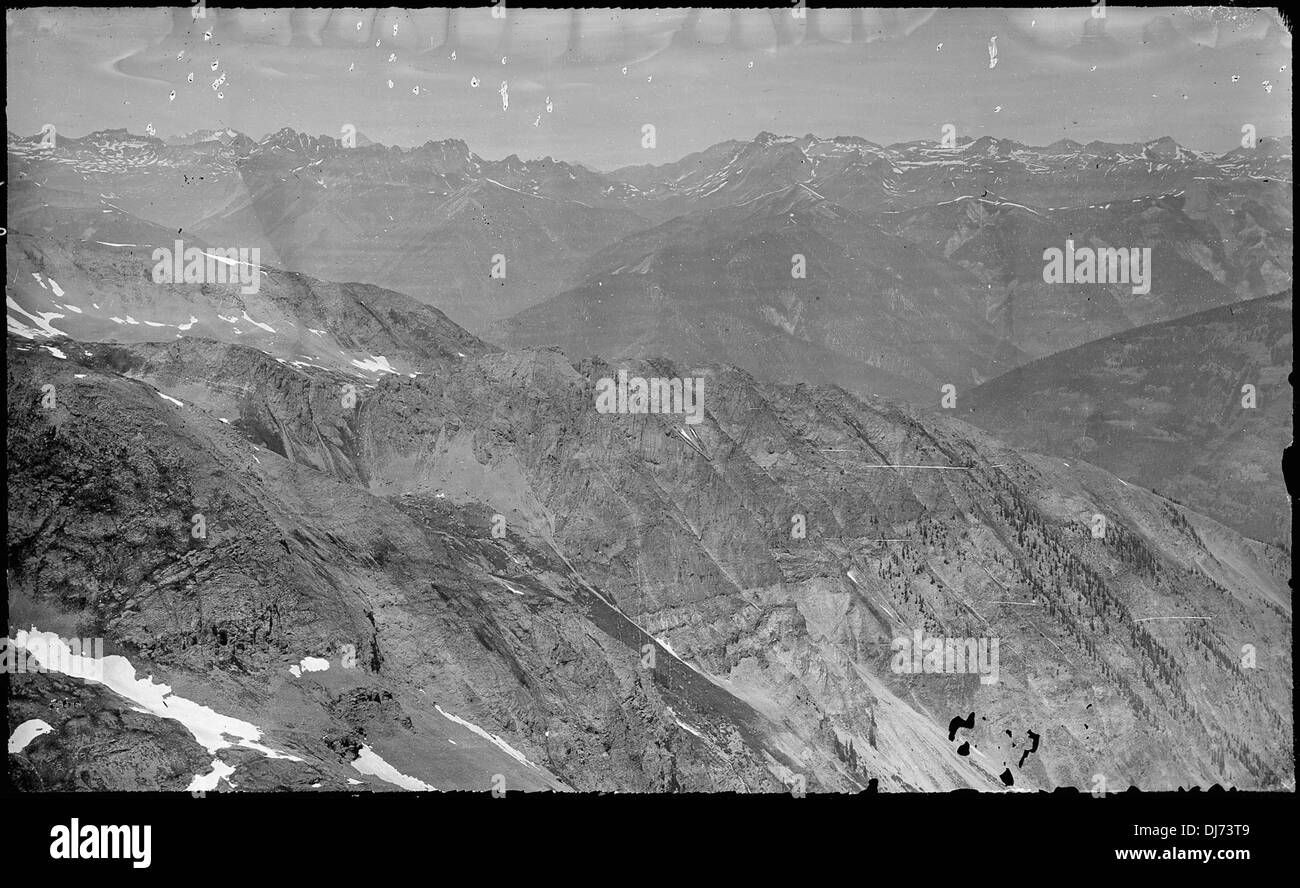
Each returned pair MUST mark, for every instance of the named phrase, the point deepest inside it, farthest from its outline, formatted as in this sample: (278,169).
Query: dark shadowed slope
(790,287)
(1162,406)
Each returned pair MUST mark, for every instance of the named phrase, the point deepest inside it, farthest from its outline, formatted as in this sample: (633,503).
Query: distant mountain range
(922,263)
(426,221)
(432,221)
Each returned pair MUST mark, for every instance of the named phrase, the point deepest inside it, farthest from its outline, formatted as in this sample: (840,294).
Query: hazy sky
(1196,74)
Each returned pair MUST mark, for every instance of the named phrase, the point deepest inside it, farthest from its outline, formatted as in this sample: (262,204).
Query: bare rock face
(503,581)
(98,742)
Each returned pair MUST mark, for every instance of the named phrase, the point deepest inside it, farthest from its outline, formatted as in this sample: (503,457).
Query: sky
(581,86)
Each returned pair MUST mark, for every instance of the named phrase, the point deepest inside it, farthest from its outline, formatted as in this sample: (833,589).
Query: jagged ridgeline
(621,609)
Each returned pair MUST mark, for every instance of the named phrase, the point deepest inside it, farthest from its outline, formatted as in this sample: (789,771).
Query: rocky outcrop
(489,546)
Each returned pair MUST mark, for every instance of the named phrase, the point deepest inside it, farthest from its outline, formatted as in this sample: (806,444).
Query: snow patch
(309,664)
(40,319)
(683,725)
(491,738)
(508,586)
(369,762)
(375,364)
(669,648)
(209,781)
(211,729)
(26,733)
(267,327)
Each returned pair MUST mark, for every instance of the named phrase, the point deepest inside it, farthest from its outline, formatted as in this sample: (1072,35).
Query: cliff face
(480,542)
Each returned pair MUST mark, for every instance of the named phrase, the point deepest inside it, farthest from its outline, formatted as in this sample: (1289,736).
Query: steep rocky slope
(78,272)
(294,564)
(1165,406)
(373,526)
